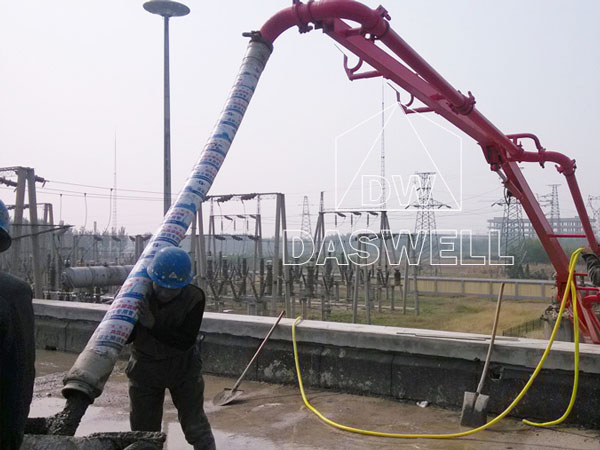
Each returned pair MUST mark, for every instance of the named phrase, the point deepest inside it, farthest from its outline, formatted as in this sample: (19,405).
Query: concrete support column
(15,257)
(38,290)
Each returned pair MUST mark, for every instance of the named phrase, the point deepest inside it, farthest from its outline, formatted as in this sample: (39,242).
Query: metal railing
(524,328)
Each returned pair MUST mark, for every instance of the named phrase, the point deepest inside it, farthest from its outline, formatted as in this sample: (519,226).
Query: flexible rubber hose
(570,288)
(95,363)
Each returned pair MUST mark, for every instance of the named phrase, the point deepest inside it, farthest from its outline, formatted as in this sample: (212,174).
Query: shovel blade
(226,397)
(474,410)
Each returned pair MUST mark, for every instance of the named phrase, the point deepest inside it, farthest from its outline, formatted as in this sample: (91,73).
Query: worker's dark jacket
(176,326)
(167,357)
(593,267)
(17,358)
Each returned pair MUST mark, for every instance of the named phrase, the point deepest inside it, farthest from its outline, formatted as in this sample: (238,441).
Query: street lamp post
(167,9)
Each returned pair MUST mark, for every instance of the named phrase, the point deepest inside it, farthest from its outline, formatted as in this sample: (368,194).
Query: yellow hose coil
(569,288)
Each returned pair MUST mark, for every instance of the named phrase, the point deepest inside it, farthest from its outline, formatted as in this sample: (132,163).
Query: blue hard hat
(171,268)
(5,240)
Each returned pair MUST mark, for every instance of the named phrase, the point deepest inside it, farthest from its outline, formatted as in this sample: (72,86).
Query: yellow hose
(570,286)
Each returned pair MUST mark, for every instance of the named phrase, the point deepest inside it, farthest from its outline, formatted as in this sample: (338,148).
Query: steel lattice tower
(425,222)
(512,234)
(306,226)
(551,200)
(595,211)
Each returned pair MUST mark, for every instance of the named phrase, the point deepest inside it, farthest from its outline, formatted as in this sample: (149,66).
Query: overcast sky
(73,73)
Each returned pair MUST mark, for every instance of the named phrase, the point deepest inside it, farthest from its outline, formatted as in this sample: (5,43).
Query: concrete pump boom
(85,381)
(413,74)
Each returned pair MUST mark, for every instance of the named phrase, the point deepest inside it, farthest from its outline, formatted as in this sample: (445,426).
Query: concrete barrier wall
(400,363)
(483,287)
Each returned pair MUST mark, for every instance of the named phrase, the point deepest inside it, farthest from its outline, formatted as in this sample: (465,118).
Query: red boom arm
(412,73)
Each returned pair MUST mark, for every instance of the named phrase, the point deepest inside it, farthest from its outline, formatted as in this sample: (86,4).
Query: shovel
(474,410)
(229,395)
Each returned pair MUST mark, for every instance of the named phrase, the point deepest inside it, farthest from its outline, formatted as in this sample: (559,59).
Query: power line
(102,187)
(70,193)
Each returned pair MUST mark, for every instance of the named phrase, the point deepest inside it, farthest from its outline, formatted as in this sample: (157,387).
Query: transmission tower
(425,223)
(551,200)
(306,226)
(512,234)
(596,212)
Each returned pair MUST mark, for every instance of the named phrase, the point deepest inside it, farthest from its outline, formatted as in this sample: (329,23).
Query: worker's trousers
(182,375)
(17,357)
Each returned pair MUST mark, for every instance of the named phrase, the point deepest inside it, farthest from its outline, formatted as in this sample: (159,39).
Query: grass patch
(465,314)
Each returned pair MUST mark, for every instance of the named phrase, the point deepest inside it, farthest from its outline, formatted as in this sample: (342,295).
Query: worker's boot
(206,446)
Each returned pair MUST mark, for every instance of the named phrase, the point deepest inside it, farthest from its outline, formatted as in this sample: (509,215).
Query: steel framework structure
(425,221)
(280,239)
(595,211)
(512,233)
(306,227)
(551,199)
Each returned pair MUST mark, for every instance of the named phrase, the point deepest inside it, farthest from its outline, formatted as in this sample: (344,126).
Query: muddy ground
(270,417)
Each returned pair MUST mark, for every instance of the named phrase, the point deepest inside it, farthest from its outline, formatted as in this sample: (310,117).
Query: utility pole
(114,205)
(320,228)
(384,225)
(35,239)
(382,167)
(95,243)
(15,261)
(167,9)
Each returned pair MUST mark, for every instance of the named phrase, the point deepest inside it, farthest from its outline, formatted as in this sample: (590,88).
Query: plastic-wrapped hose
(570,289)
(94,365)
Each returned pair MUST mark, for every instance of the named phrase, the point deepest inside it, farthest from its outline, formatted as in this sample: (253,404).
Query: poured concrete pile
(132,440)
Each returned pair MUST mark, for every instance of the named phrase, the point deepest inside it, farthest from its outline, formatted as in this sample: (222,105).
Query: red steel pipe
(301,14)
(425,83)
(373,22)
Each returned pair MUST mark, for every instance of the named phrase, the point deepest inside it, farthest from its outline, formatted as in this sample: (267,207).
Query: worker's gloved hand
(145,316)
(587,251)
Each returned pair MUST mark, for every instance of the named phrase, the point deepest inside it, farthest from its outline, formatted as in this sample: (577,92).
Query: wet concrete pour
(270,417)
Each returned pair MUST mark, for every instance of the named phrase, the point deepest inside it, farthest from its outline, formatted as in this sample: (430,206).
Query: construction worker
(17,349)
(165,353)
(593,265)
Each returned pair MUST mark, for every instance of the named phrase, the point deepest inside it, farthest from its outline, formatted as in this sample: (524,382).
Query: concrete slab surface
(273,416)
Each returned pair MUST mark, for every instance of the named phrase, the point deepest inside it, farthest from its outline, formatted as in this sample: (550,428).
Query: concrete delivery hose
(570,289)
(94,365)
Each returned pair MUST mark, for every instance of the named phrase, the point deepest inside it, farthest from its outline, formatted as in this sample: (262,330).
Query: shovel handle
(493,337)
(239,380)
